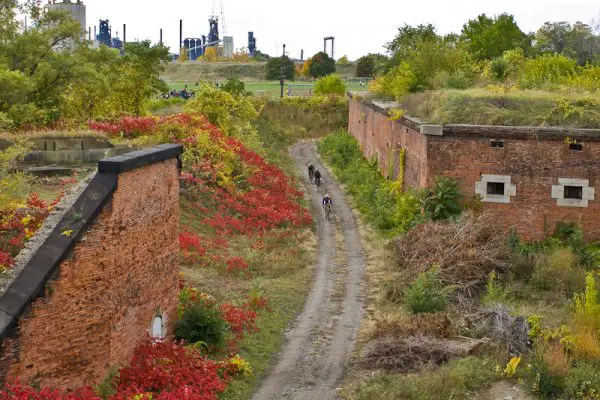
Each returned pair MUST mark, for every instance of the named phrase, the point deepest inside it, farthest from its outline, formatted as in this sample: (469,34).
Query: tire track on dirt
(322,338)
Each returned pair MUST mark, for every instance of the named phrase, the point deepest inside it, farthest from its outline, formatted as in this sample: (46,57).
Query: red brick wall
(534,166)
(382,138)
(103,301)
(535,160)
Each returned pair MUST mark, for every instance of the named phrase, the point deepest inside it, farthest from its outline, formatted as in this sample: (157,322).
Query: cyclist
(327,204)
(311,172)
(317,178)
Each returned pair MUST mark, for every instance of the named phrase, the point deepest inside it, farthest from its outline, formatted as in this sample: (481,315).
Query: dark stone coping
(140,158)
(44,264)
(520,132)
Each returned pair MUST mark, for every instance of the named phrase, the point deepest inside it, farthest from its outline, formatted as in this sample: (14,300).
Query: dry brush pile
(465,250)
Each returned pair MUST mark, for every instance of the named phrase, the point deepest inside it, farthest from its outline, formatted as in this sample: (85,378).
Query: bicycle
(327,211)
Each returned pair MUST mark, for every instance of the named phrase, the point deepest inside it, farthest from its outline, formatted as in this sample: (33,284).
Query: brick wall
(534,165)
(120,274)
(533,158)
(383,139)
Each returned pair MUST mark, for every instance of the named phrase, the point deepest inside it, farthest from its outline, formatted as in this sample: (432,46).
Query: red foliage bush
(170,371)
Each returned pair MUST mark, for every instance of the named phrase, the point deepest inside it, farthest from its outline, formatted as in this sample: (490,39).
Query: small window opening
(157,327)
(54,146)
(576,146)
(495,188)
(82,145)
(45,146)
(574,192)
(497,143)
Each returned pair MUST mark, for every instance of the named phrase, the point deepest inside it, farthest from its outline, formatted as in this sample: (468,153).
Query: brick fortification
(530,178)
(108,290)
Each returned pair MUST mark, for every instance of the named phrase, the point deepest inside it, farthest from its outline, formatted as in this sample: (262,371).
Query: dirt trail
(322,338)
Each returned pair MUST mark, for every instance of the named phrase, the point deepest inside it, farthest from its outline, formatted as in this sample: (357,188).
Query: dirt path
(322,338)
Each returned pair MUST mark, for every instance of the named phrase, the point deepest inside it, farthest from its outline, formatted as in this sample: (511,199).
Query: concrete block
(432,130)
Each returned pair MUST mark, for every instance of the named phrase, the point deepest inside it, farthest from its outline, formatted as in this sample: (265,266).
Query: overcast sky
(358,29)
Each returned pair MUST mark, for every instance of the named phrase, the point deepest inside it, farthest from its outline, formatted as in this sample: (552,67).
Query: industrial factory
(195,47)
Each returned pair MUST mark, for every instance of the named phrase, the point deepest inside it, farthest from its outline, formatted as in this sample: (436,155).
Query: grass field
(272,88)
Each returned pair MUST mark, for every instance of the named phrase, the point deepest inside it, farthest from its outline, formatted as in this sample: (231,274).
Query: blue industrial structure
(251,44)
(105,36)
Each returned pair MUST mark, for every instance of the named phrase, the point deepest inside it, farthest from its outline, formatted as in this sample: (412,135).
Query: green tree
(8,23)
(408,38)
(321,64)
(370,65)
(487,38)
(138,76)
(577,41)
(275,67)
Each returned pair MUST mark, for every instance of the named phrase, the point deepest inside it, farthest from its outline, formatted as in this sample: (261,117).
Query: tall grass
(390,212)
(496,106)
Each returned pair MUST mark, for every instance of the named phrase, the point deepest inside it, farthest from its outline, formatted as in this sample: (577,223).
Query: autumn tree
(321,64)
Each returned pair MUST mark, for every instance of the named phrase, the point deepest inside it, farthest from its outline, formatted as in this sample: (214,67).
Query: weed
(427,294)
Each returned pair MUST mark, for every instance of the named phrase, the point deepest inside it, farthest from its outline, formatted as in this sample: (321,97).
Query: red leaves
(240,319)
(189,241)
(164,369)
(237,264)
(17,391)
(170,371)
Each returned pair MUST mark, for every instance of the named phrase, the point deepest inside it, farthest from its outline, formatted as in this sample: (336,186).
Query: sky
(359,27)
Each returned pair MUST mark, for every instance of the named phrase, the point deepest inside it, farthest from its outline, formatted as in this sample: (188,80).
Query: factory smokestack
(160,40)
(124,37)
(180,34)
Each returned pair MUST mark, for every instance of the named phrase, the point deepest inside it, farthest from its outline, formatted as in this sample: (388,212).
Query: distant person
(317,178)
(289,91)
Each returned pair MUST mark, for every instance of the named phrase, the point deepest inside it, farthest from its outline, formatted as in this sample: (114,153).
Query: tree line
(487,48)
(49,73)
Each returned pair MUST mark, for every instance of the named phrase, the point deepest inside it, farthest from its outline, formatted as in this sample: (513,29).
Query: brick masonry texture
(120,275)
(534,158)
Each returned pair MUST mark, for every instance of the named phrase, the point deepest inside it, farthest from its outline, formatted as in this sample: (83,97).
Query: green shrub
(557,271)
(499,68)
(330,84)
(202,322)
(494,292)
(396,83)
(154,105)
(234,86)
(587,306)
(444,200)
(427,294)
(547,70)
(583,382)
